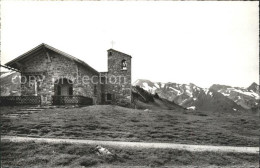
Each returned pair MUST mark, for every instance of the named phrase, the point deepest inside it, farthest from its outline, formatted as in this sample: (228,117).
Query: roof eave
(111,49)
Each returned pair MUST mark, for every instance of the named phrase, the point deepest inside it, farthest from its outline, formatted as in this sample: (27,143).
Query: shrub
(156,96)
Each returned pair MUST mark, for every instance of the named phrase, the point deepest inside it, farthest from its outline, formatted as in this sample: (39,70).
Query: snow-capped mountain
(246,97)
(194,97)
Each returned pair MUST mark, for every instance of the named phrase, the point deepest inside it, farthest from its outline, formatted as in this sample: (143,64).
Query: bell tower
(119,77)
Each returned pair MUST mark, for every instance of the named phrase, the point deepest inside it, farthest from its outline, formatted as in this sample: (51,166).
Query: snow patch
(156,85)
(191,108)
(136,82)
(187,86)
(255,95)
(162,85)
(178,92)
(189,93)
(251,94)
(225,94)
(183,101)
(206,91)
(148,88)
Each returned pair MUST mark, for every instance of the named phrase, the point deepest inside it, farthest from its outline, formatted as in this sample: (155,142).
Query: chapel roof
(46,46)
(119,52)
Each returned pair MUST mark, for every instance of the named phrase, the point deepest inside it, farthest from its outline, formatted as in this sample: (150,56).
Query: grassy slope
(29,154)
(159,104)
(118,123)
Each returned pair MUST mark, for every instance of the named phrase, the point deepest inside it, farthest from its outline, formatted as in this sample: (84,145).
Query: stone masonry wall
(52,69)
(87,80)
(59,67)
(119,80)
(35,66)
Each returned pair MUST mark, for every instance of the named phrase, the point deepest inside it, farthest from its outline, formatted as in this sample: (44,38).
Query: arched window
(124,65)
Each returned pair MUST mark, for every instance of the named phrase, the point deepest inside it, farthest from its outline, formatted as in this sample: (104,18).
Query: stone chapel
(58,77)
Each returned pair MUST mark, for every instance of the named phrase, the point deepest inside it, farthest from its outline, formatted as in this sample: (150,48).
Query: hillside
(145,100)
(214,98)
(110,122)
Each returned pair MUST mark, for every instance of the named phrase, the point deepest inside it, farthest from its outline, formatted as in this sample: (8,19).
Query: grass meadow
(107,122)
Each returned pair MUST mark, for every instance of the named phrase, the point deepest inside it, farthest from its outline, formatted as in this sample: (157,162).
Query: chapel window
(59,90)
(124,65)
(70,91)
(109,97)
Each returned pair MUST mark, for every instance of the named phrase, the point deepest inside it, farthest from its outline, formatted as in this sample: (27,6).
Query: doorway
(63,87)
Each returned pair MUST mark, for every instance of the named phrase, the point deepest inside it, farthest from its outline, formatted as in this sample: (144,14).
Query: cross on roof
(112,43)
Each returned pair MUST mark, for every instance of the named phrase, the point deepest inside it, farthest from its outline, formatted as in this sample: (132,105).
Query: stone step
(30,109)
(39,108)
(13,116)
(16,114)
(24,112)
(45,107)
(24,117)
(48,107)
(4,117)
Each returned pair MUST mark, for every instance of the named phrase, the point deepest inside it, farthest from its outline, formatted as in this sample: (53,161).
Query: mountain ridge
(217,97)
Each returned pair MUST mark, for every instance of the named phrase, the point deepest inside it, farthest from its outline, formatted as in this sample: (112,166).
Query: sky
(203,43)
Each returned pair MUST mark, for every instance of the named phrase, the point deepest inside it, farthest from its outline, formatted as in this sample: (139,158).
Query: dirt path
(193,148)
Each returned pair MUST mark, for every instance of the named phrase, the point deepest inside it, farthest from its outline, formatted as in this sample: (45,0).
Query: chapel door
(64,90)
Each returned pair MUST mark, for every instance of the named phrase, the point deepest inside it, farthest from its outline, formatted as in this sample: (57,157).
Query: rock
(102,151)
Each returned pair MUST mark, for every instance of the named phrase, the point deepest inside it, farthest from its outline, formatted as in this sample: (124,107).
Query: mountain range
(215,98)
